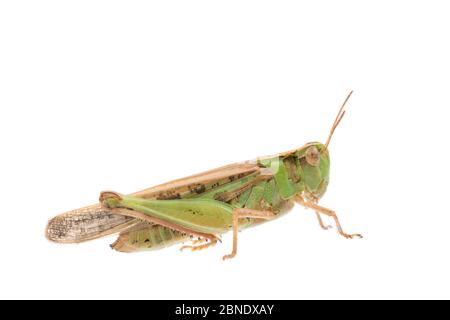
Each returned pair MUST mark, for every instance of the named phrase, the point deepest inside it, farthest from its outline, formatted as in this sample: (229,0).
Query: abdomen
(145,236)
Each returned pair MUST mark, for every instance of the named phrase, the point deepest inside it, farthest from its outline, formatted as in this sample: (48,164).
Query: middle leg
(242,213)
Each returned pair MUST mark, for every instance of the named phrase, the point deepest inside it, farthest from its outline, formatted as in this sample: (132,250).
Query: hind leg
(199,244)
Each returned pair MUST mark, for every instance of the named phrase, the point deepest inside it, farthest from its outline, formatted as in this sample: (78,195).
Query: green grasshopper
(202,207)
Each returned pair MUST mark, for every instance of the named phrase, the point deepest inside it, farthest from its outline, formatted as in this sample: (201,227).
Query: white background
(124,95)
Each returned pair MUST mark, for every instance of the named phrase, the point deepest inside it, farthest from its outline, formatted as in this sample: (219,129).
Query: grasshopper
(200,208)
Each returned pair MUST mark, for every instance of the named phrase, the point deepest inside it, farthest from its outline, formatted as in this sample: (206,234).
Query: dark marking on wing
(168,195)
(198,188)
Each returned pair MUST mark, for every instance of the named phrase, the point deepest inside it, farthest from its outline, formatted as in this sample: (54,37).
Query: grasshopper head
(315,162)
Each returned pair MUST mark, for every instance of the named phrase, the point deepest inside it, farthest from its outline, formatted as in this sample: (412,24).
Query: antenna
(337,120)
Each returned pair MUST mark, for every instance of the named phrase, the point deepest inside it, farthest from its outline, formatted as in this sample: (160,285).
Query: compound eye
(312,156)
